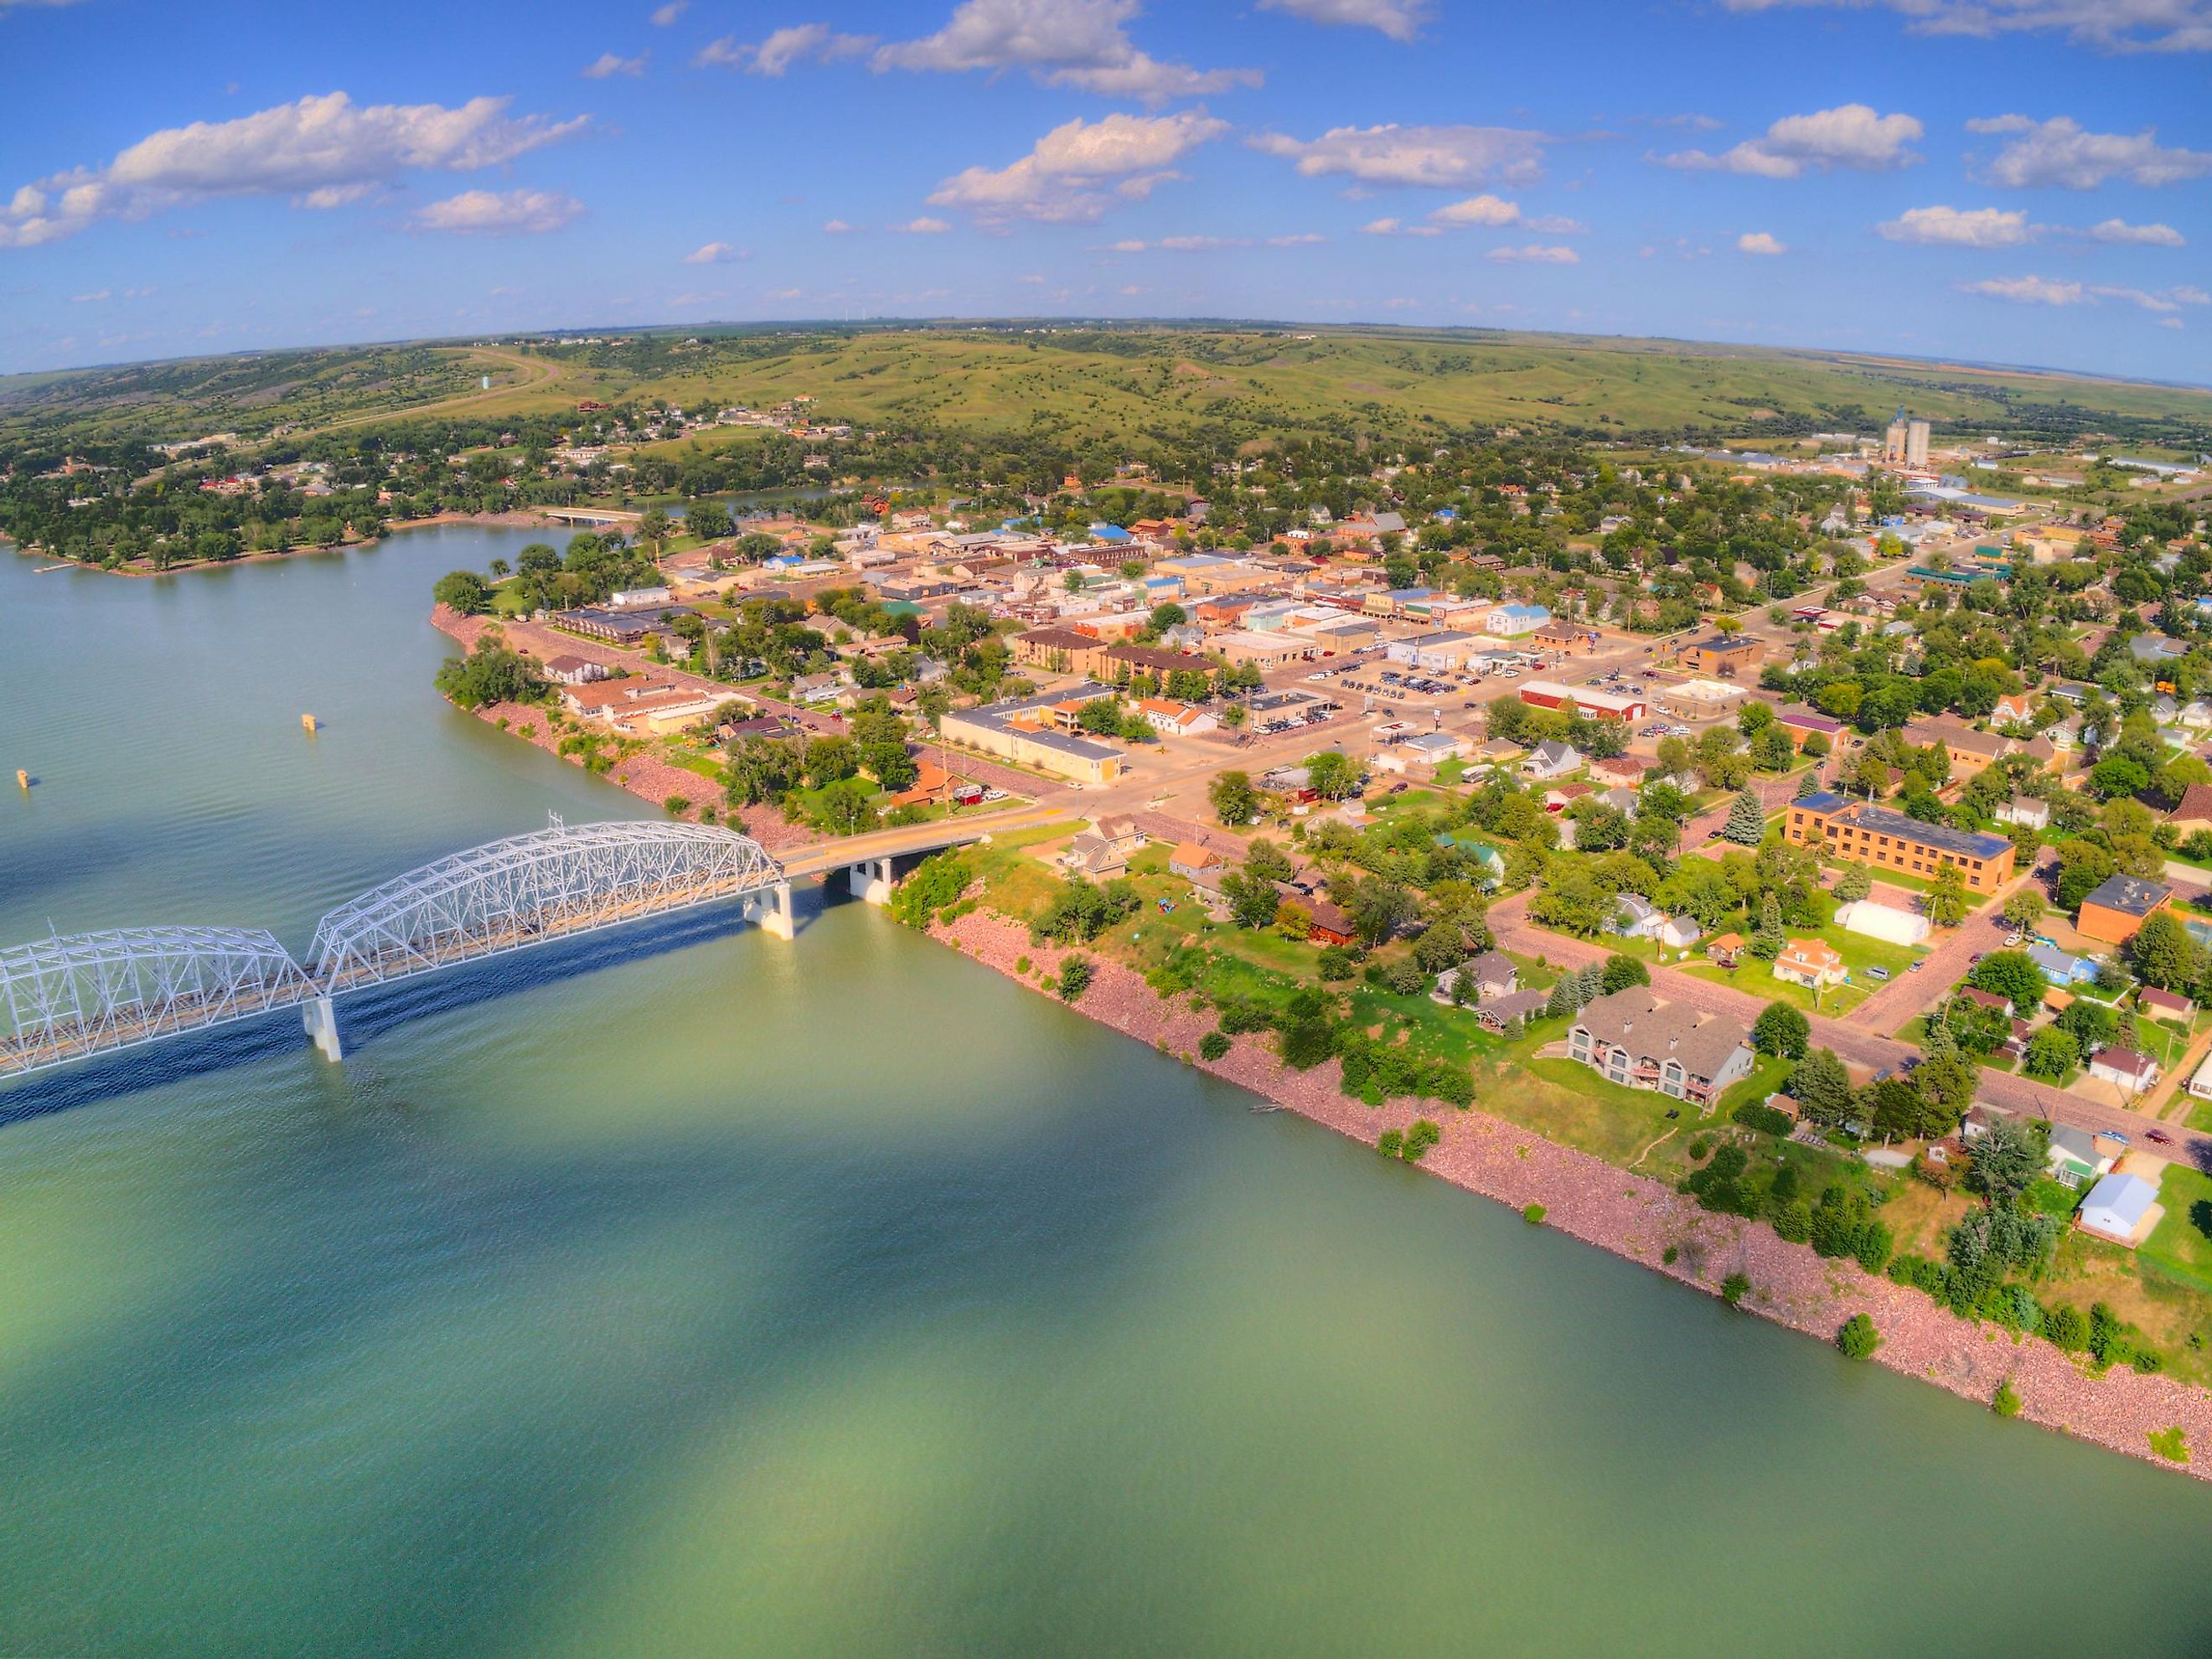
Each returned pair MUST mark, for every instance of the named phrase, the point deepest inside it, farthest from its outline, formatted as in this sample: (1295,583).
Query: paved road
(1911,994)
(1854,1044)
(915,838)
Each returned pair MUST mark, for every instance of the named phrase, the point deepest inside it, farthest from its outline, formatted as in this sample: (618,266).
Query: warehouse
(1588,699)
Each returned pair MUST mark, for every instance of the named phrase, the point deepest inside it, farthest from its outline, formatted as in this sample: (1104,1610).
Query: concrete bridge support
(771,908)
(871,881)
(320,1016)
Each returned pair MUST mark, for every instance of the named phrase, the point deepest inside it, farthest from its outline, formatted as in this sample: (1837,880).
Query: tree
(2012,975)
(1746,820)
(1235,803)
(830,760)
(2007,1160)
(1331,775)
(761,769)
(2023,908)
(1781,1029)
(2050,1054)
(1822,1087)
(1946,904)
(1769,941)
(1268,861)
(1621,973)
(489,674)
(2164,953)
(845,807)
(463,591)
(1075,974)
(1379,909)
(1853,883)
(1253,900)
(1859,1338)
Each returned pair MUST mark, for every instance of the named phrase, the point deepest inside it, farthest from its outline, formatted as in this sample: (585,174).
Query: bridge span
(69,998)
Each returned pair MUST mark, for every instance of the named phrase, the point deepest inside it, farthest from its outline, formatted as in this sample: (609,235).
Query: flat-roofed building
(1721,654)
(1606,705)
(1866,834)
(1266,651)
(1033,731)
(2114,913)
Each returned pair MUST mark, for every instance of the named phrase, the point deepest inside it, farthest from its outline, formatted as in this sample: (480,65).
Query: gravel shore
(1637,1217)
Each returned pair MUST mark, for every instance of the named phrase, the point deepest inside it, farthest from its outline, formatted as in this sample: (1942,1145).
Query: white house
(2123,1208)
(2133,1071)
(1553,759)
(1883,922)
(2024,810)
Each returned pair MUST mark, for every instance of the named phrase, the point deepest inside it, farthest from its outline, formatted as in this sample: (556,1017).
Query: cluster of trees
(1080,910)
(490,674)
(820,779)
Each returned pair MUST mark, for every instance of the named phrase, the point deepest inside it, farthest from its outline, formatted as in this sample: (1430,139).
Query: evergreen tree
(1769,941)
(1854,884)
(1809,783)
(1746,820)
(1821,1087)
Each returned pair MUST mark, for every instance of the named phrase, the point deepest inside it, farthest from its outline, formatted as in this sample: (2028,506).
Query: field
(1108,382)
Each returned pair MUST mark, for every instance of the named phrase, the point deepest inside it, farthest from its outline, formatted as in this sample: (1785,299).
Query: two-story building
(1866,834)
(1636,1039)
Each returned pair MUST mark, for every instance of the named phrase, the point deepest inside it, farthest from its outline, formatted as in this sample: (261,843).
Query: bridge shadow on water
(367,1015)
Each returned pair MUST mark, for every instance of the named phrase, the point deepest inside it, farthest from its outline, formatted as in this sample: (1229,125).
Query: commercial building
(1635,1039)
(1720,655)
(1509,621)
(1038,732)
(2115,912)
(1606,705)
(1866,834)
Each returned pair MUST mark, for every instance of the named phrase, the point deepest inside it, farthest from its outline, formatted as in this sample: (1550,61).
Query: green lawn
(2181,1243)
(1859,954)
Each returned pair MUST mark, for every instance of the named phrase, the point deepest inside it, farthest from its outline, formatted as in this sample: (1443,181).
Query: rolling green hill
(1062,381)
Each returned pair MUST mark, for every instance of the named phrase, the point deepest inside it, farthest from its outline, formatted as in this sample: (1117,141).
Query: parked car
(1877,973)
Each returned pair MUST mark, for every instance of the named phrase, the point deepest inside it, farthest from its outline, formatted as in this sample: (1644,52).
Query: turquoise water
(688,1291)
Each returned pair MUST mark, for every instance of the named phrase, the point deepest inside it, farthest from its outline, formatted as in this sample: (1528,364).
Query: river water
(694,1292)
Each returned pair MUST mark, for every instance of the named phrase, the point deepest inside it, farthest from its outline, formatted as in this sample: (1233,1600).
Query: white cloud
(2028,290)
(1760,242)
(800,43)
(2045,291)
(923,226)
(1535,255)
(1398,228)
(500,212)
(327,149)
(1070,43)
(607,65)
(714,254)
(1401,20)
(2110,25)
(664,15)
(2119,230)
(324,197)
(2059,152)
(1439,156)
(784,294)
(1478,210)
(93,299)
(1950,227)
(835,228)
(2171,322)
(1077,170)
(1297,238)
(1849,135)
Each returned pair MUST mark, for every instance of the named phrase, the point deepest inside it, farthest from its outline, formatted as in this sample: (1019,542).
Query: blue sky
(2012,180)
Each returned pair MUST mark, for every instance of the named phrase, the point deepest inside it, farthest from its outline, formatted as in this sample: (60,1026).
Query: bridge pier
(871,881)
(771,908)
(320,1016)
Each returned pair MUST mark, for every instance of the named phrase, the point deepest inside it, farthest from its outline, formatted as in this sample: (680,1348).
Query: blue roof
(1108,532)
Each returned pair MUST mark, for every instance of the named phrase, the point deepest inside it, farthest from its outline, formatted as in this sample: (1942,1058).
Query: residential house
(2026,811)
(1634,916)
(1194,861)
(2193,811)
(1636,1039)
(2122,1209)
(2062,969)
(1969,751)
(2130,1070)
(1551,759)
(1812,962)
(2165,1006)
(1726,950)
(2014,707)
(2115,912)
(2078,1155)
(567,670)
(1178,720)
(1497,1013)
(1327,924)
(1678,933)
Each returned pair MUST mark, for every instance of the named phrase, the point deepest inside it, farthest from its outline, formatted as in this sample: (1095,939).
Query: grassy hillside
(1062,380)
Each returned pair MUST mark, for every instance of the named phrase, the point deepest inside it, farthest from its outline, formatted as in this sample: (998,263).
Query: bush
(1213,1045)
(1421,1135)
(1021,964)
(1795,1221)
(1335,963)
(1074,978)
(2172,1444)
(1406,978)
(1859,1338)
(1766,1120)
(2007,1402)
(1734,1288)
(1670,1255)
(677,806)
(1390,1144)
(1873,1246)
(1533,1215)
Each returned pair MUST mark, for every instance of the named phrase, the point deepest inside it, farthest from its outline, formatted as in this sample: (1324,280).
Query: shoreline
(513,520)
(1637,1218)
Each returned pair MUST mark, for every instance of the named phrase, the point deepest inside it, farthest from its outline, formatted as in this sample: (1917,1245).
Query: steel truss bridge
(66,998)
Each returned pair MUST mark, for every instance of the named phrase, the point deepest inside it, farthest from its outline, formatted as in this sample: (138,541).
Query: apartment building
(1866,834)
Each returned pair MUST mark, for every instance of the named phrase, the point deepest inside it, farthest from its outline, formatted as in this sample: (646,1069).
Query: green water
(700,1293)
